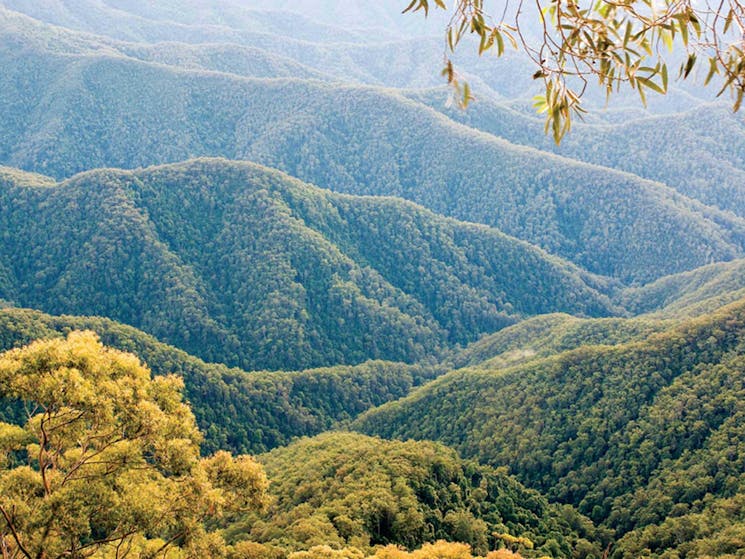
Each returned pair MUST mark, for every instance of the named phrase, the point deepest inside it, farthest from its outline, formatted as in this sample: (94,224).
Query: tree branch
(14,533)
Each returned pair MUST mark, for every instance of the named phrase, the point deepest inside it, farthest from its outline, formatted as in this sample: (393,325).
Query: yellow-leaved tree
(106,461)
(437,550)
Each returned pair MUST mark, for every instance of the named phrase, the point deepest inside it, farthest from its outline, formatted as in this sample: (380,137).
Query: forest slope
(541,336)
(644,437)
(697,152)
(350,139)
(236,410)
(689,293)
(243,265)
(348,489)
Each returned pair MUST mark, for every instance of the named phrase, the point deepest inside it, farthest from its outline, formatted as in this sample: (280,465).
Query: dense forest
(347,138)
(243,265)
(687,372)
(349,490)
(113,461)
(236,410)
(695,292)
(636,435)
(268,292)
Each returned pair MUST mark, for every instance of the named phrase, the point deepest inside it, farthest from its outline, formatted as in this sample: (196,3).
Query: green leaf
(713,69)
(695,23)
(500,43)
(556,126)
(467,98)
(688,65)
(539,103)
(667,38)
(448,71)
(627,34)
(510,38)
(683,27)
(410,7)
(642,96)
(728,20)
(484,44)
(646,82)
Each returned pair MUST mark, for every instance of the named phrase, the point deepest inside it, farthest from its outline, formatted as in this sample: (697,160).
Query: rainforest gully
(372,279)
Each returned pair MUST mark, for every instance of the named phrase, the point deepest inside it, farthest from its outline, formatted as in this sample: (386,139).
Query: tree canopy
(107,462)
(616,42)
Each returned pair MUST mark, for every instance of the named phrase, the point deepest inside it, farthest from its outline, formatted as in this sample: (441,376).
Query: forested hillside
(236,410)
(696,292)
(648,444)
(684,150)
(101,439)
(350,139)
(279,203)
(345,489)
(243,265)
(545,335)
(644,437)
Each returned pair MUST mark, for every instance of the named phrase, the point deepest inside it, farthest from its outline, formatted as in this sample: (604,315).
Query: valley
(437,334)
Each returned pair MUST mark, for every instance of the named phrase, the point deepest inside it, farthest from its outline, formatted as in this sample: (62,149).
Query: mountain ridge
(554,205)
(635,435)
(306,277)
(696,164)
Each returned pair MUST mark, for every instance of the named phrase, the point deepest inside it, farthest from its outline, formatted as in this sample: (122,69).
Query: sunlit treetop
(105,462)
(616,43)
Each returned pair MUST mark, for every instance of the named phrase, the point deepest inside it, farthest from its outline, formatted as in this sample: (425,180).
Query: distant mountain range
(699,151)
(91,107)
(227,190)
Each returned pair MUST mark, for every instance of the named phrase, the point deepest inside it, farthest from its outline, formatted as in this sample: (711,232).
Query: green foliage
(633,435)
(239,411)
(107,459)
(438,550)
(345,489)
(242,265)
(351,139)
(712,529)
